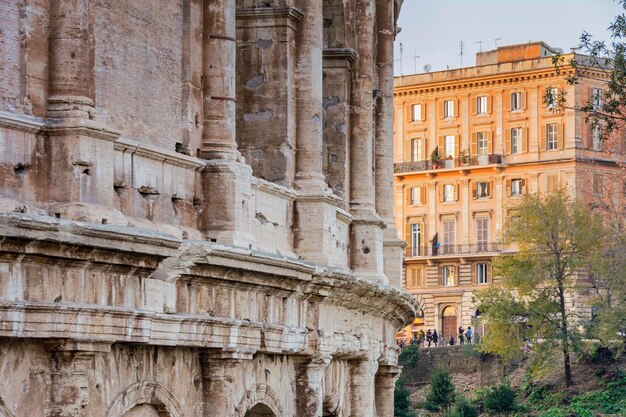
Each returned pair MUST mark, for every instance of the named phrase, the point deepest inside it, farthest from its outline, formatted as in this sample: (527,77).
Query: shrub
(401,401)
(463,408)
(408,356)
(499,399)
(441,395)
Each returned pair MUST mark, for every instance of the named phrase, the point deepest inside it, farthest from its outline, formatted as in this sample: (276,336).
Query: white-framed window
(416,194)
(482,189)
(516,140)
(516,187)
(481,105)
(553,97)
(449,146)
(596,136)
(596,98)
(448,108)
(416,110)
(516,100)
(416,150)
(481,273)
(482,142)
(482,234)
(449,235)
(448,192)
(551,136)
(449,275)
(416,237)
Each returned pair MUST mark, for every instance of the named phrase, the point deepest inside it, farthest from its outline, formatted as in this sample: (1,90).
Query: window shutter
(441,109)
(440,145)
(456,108)
(474,274)
(508,188)
(489,104)
(475,105)
(489,189)
(440,274)
(589,143)
(507,142)
(423,146)
(457,145)
(525,138)
(474,144)
(507,101)
(474,190)
(440,192)
(423,112)
(523,95)
(422,241)
(591,96)
(543,143)
(489,143)
(407,234)
(423,194)
(489,273)
(408,195)
(456,192)
(523,185)
(559,136)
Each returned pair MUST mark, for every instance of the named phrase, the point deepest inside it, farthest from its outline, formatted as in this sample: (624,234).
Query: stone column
(317,235)
(226,179)
(218,374)
(309,394)
(362,385)
(385,386)
(367,227)
(71,46)
(392,245)
(73,365)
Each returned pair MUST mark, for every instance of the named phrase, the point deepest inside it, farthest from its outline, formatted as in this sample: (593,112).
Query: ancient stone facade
(196,209)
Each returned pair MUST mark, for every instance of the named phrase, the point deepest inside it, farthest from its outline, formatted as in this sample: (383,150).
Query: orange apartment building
(468,144)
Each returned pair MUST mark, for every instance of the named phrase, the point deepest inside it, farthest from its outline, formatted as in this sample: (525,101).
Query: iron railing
(446,250)
(413,166)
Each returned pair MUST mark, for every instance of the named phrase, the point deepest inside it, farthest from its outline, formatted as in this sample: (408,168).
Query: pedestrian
(421,336)
(414,339)
(461,332)
(451,342)
(429,337)
(435,337)
(468,335)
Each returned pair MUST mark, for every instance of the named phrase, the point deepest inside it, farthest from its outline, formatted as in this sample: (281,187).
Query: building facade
(468,144)
(196,211)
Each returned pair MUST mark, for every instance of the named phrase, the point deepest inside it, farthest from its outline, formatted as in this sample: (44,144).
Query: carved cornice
(290,13)
(158,154)
(347,54)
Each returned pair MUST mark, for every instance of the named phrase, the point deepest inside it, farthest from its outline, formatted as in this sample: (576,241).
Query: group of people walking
(431,338)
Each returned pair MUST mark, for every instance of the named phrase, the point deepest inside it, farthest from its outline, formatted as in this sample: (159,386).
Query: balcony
(454,250)
(474,161)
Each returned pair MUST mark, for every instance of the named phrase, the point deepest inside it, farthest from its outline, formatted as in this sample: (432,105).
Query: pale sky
(432,29)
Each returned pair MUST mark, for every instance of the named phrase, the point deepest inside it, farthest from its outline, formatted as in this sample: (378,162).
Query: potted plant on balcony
(449,162)
(464,157)
(435,159)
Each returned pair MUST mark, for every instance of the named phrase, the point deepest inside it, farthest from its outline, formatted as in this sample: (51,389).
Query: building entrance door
(448,324)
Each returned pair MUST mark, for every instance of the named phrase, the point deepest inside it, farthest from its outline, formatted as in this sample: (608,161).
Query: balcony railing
(412,166)
(447,250)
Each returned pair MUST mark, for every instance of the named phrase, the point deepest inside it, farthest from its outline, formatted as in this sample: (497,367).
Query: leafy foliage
(408,356)
(463,408)
(442,392)
(499,399)
(401,400)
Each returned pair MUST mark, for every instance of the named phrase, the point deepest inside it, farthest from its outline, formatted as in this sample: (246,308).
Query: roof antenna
(480,46)
(461,48)
(400,59)
(496,41)
(415,58)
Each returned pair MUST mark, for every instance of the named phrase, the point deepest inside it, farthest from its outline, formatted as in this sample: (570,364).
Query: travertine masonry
(194,213)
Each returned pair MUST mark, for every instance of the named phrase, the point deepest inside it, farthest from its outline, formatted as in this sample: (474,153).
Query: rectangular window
(596,134)
(516,140)
(449,146)
(516,187)
(552,97)
(483,189)
(481,273)
(416,150)
(482,234)
(448,278)
(416,243)
(448,236)
(552,183)
(551,136)
(448,192)
(448,108)
(598,185)
(516,101)
(417,195)
(417,112)
(414,277)
(596,98)
(481,105)
(482,142)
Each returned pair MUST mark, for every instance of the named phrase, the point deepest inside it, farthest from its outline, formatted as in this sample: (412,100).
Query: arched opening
(448,323)
(260,410)
(143,410)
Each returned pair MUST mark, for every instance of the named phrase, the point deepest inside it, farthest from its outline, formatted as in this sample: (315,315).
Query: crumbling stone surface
(179,231)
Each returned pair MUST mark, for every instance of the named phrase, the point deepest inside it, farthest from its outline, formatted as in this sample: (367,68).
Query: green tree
(555,238)
(463,408)
(499,399)
(408,357)
(401,400)
(442,393)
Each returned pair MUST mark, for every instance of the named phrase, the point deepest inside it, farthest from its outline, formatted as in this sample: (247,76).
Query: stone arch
(264,396)
(260,410)
(449,322)
(150,393)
